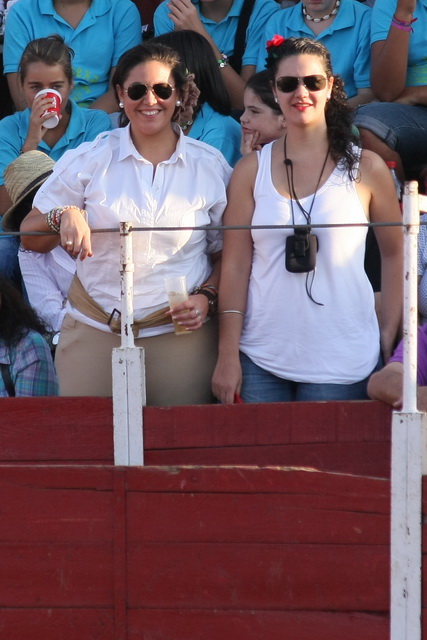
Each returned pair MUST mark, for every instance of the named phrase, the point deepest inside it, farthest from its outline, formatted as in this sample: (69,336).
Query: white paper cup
(55,109)
(176,289)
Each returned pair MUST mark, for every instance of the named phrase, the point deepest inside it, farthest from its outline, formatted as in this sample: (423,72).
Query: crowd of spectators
(219,88)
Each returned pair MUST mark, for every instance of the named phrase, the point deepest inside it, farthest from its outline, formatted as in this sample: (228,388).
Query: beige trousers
(178,369)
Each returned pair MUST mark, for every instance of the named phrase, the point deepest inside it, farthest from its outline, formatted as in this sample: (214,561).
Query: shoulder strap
(5,372)
(240,39)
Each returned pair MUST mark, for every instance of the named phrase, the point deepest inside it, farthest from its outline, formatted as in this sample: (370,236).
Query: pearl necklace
(333,13)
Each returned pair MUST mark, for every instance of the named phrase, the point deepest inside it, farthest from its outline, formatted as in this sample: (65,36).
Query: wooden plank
(210,517)
(57,624)
(255,625)
(56,575)
(259,576)
(366,458)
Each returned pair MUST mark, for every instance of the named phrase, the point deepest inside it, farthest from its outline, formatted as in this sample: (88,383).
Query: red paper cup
(55,109)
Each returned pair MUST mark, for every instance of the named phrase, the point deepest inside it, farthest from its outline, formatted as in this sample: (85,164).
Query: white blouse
(114,183)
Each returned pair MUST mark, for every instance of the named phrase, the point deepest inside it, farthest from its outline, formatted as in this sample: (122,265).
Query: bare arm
(363,96)
(377,185)
(235,272)
(74,233)
(389,57)
(387,385)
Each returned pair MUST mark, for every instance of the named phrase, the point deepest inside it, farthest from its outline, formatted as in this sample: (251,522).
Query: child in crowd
(98,31)
(262,120)
(26,365)
(46,63)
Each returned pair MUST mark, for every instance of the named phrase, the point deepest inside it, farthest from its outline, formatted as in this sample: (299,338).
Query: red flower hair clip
(275,41)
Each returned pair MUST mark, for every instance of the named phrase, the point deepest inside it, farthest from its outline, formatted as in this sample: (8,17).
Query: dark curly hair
(16,316)
(149,52)
(338,113)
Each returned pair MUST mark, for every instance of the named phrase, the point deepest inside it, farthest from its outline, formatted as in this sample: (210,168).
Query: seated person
(262,120)
(218,23)
(387,384)
(396,127)
(47,276)
(46,63)
(26,365)
(99,32)
(210,120)
(343,26)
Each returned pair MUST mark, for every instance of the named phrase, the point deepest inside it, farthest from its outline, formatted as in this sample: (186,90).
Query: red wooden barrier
(192,553)
(352,437)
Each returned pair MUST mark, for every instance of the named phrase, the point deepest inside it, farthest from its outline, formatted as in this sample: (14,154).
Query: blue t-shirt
(223,33)
(221,132)
(108,29)
(84,126)
(347,40)
(382,14)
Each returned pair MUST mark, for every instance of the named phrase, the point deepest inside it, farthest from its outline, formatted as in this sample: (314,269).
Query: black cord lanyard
(306,214)
(289,163)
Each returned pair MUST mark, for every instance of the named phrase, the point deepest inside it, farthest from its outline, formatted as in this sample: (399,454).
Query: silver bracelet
(232,311)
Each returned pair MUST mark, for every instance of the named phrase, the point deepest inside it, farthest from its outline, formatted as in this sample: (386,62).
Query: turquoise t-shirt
(223,33)
(108,29)
(347,40)
(221,132)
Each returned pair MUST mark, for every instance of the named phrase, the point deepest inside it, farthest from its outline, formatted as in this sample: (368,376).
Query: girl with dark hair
(210,120)
(150,174)
(262,120)
(26,364)
(46,63)
(296,301)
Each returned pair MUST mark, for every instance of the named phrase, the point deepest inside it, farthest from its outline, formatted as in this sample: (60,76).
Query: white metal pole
(408,454)
(128,369)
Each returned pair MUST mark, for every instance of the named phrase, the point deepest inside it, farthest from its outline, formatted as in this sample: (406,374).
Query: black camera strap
(288,163)
(307,214)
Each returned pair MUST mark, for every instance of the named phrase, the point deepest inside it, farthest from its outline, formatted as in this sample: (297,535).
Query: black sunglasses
(287,84)
(138,90)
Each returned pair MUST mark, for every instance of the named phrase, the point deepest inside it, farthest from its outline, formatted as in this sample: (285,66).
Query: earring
(276,99)
(328,97)
(178,103)
(121,105)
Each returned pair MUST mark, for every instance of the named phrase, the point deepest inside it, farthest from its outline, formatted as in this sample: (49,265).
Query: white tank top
(285,332)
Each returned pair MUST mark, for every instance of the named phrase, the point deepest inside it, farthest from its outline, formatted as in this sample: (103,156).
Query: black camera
(301,249)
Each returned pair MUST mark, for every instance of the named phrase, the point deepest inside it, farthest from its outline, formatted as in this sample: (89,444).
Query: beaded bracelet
(223,61)
(53,218)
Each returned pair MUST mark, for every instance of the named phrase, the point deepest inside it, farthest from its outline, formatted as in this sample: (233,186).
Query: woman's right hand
(227,379)
(36,131)
(75,233)
(249,142)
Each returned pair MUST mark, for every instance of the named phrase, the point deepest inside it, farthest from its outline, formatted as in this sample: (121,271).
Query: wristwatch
(211,294)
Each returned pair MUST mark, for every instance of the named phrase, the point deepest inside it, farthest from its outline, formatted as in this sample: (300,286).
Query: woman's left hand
(192,313)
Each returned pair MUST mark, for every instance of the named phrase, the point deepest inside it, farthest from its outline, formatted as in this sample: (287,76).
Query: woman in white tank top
(297,315)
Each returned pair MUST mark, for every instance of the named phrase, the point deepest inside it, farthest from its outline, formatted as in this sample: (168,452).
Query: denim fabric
(9,264)
(261,386)
(402,127)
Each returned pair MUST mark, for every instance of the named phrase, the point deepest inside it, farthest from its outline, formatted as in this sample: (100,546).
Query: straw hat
(22,178)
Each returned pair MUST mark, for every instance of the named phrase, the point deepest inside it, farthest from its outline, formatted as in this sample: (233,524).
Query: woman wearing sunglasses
(297,315)
(150,174)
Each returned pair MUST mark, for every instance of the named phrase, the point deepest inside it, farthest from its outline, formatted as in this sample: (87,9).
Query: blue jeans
(261,386)
(402,127)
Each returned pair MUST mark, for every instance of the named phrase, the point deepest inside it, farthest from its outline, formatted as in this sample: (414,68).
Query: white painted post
(128,370)
(408,454)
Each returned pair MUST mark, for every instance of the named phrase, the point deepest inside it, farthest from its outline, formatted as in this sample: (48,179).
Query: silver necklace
(333,13)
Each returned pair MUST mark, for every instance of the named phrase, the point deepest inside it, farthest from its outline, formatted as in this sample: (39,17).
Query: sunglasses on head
(287,84)
(138,90)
